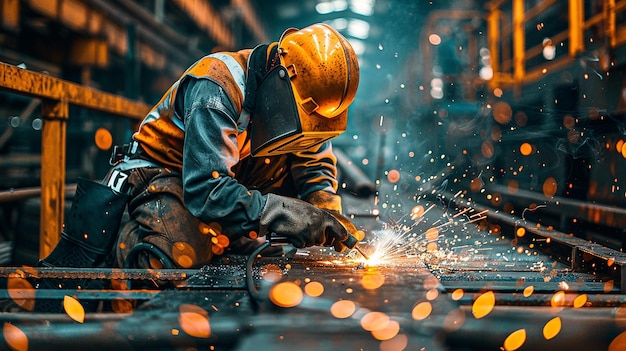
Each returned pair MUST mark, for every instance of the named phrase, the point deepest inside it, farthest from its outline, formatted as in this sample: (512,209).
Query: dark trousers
(158,216)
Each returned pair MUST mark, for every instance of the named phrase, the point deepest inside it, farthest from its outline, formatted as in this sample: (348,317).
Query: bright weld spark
(402,240)
(479,213)
(462,212)
(531,210)
(388,244)
(475,220)
(445,224)
(395,242)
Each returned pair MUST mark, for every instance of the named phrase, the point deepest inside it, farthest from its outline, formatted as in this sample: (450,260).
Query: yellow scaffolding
(57,95)
(515,72)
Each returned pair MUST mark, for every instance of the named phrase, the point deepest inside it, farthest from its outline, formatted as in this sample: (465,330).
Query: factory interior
(483,160)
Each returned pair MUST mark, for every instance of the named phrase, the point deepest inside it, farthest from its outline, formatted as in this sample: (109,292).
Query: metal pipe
(581,329)
(149,330)
(27,193)
(516,299)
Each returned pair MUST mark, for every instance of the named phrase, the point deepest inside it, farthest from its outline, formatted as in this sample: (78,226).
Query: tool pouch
(91,229)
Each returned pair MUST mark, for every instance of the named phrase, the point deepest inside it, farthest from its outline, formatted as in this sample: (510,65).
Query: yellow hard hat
(323,68)
(303,102)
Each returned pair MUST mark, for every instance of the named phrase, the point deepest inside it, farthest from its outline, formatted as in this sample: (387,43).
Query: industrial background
(490,135)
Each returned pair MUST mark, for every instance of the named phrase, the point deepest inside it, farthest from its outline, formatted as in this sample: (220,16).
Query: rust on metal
(23,81)
(53,136)
(95,273)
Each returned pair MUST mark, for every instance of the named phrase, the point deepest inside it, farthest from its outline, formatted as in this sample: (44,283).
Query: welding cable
(145,247)
(252,289)
(151,249)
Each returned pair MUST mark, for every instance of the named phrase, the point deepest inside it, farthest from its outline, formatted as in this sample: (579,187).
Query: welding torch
(351,242)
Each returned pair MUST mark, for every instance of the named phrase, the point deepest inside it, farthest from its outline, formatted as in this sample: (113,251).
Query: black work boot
(89,235)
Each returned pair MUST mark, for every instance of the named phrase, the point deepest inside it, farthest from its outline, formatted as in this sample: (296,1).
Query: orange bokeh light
(550,187)
(552,328)
(619,343)
(558,299)
(421,311)
(457,294)
(397,343)
(432,294)
(430,247)
(271,272)
(393,176)
(14,337)
(74,309)
(286,294)
(476,184)
(372,281)
(569,121)
(502,112)
(580,301)
(314,289)
(387,332)
(515,340)
(487,149)
(21,292)
(608,286)
(194,321)
(483,305)
(432,234)
(343,309)
(103,139)
(183,254)
(374,321)
(526,149)
(417,212)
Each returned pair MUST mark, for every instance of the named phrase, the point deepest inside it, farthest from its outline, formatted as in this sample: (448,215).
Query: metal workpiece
(418,288)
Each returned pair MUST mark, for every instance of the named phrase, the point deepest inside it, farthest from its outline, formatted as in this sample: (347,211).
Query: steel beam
(55,114)
(22,81)
(576,27)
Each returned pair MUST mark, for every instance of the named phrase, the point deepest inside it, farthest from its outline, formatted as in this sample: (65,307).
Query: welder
(237,149)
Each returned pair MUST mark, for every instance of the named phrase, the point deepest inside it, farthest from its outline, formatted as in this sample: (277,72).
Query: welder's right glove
(302,223)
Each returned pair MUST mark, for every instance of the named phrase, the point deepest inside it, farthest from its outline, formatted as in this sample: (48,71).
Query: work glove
(302,223)
(332,203)
(325,200)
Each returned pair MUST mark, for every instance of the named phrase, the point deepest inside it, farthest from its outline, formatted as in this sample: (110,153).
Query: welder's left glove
(325,200)
(332,204)
(302,223)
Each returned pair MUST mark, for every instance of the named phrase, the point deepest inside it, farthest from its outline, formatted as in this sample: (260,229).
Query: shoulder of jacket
(209,64)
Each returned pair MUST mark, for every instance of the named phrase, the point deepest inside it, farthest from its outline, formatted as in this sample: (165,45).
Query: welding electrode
(352,242)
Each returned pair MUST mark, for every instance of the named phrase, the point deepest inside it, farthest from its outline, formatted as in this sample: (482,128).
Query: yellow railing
(57,95)
(511,67)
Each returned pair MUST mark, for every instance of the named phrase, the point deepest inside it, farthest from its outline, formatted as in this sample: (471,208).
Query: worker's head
(304,101)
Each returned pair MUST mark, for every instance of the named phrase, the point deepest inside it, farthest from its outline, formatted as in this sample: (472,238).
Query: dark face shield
(280,125)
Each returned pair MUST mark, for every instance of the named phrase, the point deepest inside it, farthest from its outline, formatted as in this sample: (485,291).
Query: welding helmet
(303,101)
